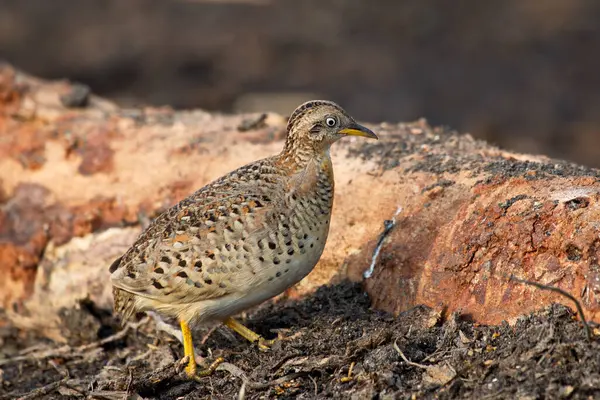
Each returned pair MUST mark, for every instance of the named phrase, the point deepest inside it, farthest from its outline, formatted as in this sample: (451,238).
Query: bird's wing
(202,248)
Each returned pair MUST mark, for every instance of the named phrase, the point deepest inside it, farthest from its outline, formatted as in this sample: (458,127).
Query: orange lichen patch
(23,142)
(100,213)
(18,270)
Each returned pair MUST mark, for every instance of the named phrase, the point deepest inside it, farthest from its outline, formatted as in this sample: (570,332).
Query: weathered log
(79,179)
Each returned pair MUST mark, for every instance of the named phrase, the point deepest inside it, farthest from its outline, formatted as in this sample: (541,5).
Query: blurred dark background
(523,74)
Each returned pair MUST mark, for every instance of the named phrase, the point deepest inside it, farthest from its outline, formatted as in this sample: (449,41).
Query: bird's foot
(190,357)
(191,369)
(264,344)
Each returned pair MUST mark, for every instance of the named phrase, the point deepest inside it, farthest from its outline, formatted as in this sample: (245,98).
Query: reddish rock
(99,214)
(458,249)
(18,269)
(10,91)
(96,154)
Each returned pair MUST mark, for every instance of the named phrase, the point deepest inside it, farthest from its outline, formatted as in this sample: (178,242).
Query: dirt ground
(544,355)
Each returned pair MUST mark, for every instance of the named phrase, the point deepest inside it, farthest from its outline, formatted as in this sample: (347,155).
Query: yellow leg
(248,334)
(188,351)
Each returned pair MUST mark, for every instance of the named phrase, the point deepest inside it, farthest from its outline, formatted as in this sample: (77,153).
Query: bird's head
(316,124)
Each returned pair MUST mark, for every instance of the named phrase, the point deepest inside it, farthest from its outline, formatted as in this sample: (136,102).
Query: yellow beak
(358,130)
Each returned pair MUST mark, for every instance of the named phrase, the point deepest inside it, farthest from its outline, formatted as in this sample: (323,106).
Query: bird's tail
(124,304)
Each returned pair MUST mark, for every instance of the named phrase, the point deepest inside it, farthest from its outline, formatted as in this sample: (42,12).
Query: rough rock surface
(472,217)
(81,177)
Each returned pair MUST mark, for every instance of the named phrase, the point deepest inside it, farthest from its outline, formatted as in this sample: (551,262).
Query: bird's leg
(188,350)
(173,331)
(248,334)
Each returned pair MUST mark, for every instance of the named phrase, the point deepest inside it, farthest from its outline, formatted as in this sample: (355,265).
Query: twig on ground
(109,394)
(141,356)
(129,379)
(38,355)
(77,351)
(288,357)
(35,347)
(119,335)
(149,381)
(315,383)
(388,224)
(406,360)
(44,390)
(238,373)
(207,335)
(278,381)
(242,392)
(588,329)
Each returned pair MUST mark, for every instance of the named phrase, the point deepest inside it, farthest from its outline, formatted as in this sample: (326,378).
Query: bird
(240,240)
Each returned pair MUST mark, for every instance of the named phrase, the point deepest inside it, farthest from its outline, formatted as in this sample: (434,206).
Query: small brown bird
(242,239)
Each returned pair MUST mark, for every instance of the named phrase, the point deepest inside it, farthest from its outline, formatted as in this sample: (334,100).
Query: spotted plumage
(243,238)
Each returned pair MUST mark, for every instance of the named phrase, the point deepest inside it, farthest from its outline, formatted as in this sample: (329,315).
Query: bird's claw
(191,372)
(264,344)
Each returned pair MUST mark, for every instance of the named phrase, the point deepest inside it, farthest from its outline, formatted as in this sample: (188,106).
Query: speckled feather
(239,240)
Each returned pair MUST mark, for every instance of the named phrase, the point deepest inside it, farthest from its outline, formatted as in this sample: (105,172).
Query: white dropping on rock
(387,227)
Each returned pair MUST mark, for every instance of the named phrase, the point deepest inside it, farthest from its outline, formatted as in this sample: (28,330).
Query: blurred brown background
(524,74)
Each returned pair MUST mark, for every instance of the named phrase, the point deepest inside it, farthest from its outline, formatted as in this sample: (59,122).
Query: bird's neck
(296,158)
(310,176)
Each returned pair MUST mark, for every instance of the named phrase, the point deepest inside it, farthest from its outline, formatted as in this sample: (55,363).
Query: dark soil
(544,355)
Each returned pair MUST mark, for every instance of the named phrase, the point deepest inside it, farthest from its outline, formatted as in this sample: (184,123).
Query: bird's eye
(331,122)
